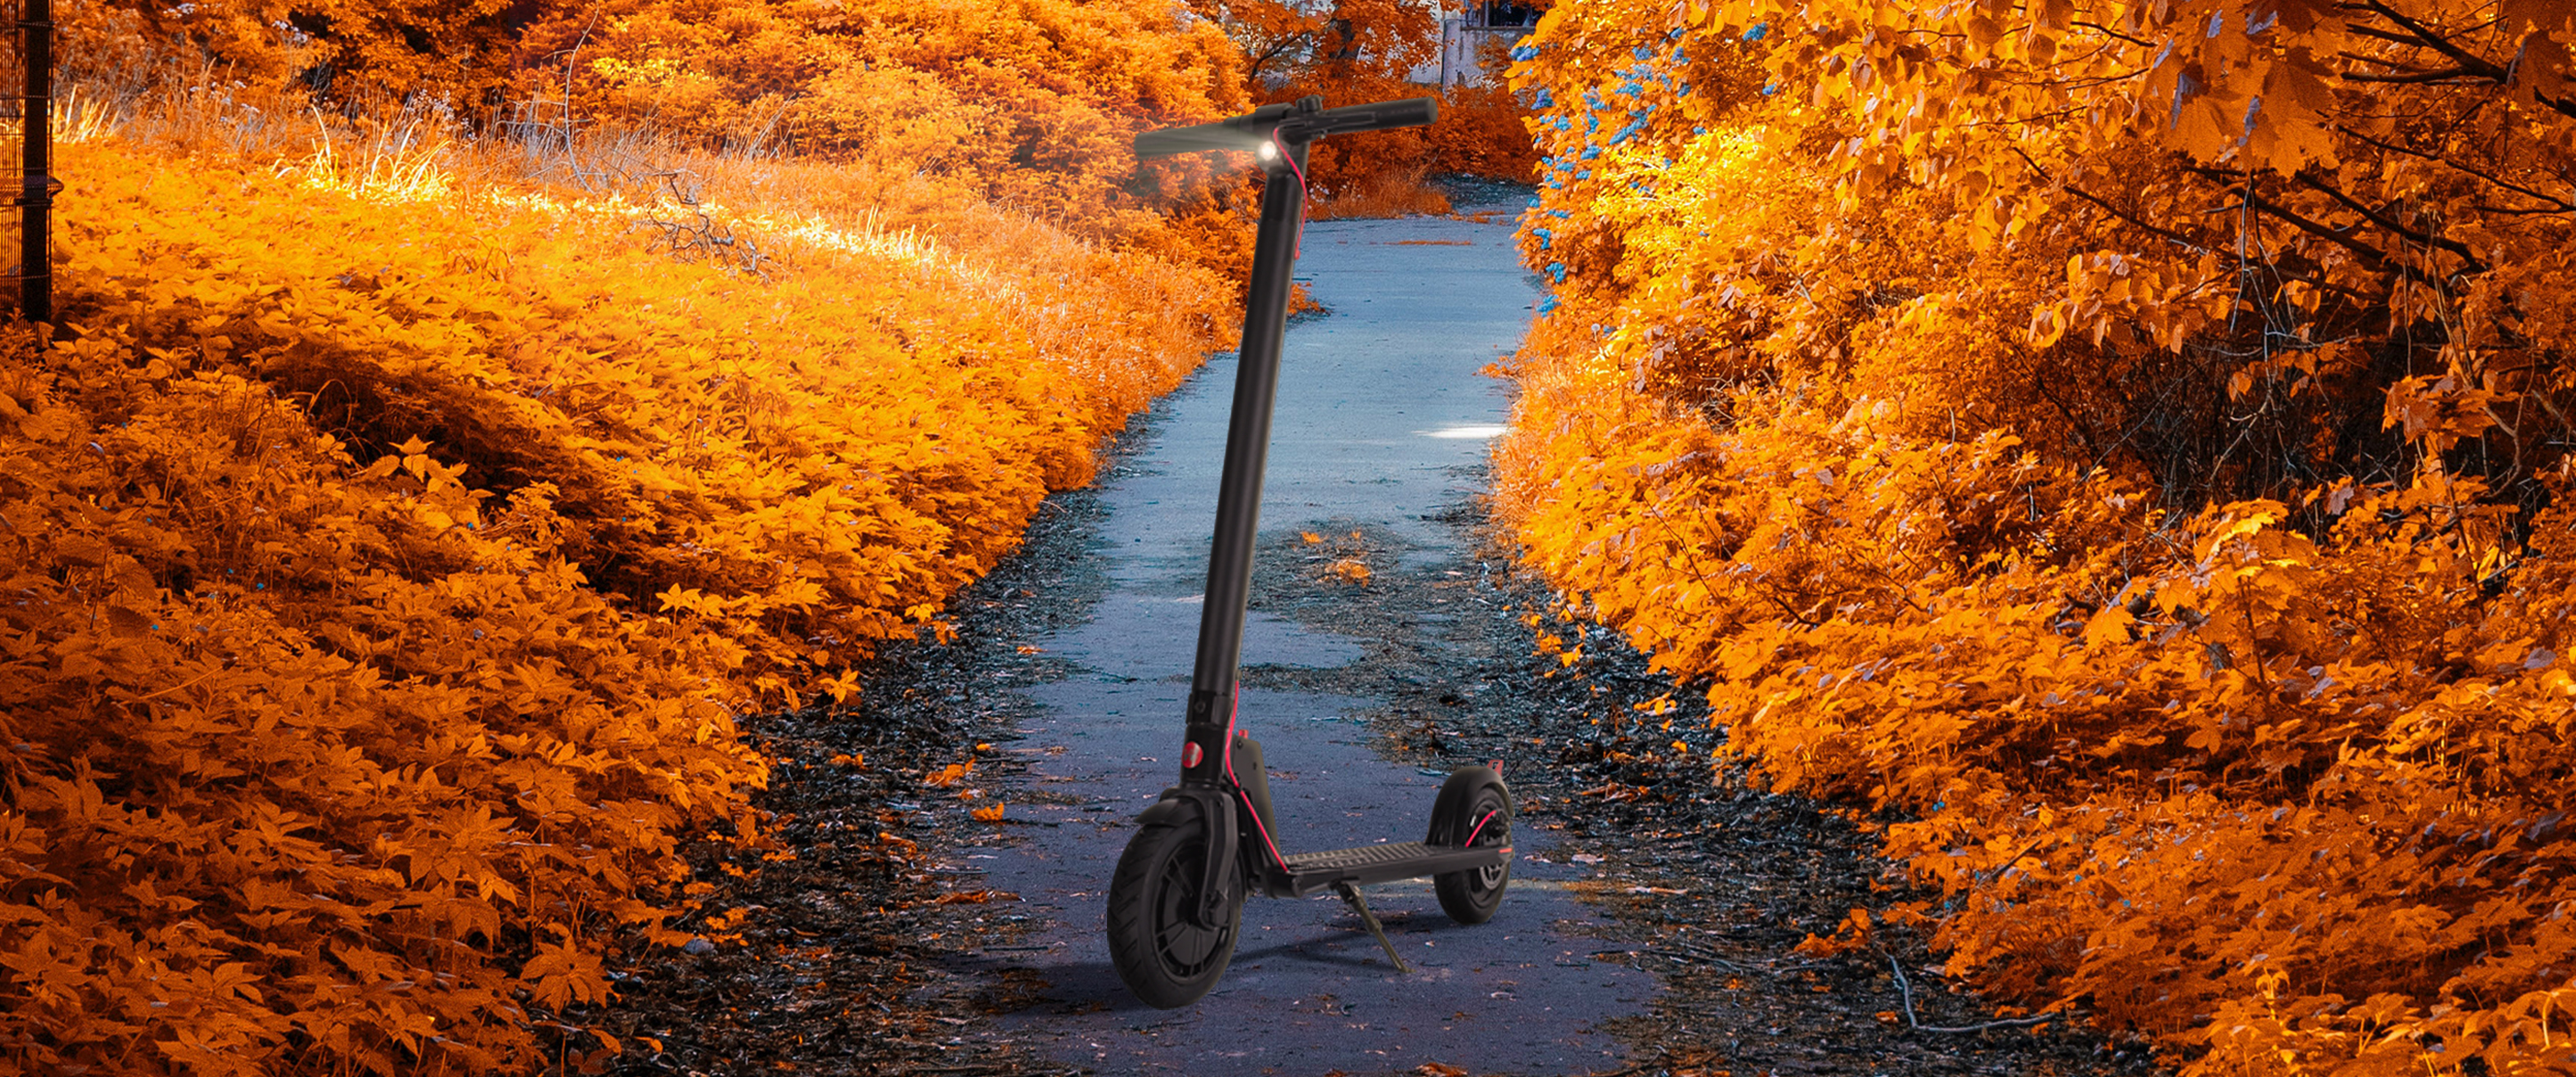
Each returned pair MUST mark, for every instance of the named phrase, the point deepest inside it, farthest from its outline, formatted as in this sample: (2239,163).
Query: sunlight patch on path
(1481,431)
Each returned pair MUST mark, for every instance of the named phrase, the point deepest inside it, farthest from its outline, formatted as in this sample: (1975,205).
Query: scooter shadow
(1312,952)
(1089,987)
(1094,987)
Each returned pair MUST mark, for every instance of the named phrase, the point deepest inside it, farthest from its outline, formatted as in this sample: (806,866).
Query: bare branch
(2473,263)
(2373,256)
(2167,234)
(2499,181)
(1907,989)
(2444,77)
(2426,37)
(2114,33)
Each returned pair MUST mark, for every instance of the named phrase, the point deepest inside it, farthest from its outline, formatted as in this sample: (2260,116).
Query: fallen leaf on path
(975,897)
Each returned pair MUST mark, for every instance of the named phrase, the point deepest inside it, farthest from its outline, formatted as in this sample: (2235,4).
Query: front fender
(1215,810)
(1173,810)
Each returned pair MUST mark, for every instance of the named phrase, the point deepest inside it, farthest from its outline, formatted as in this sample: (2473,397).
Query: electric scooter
(1176,901)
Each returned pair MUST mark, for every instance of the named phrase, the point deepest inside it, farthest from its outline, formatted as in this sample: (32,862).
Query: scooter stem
(1247,443)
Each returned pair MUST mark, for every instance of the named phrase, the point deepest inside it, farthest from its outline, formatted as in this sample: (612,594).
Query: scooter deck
(1311,872)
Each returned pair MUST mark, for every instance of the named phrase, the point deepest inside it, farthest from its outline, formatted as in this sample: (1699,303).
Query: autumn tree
(1365,50)
(336,49)
(2125,437)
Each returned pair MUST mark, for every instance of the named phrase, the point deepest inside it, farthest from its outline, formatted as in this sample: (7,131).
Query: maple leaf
(2107,627)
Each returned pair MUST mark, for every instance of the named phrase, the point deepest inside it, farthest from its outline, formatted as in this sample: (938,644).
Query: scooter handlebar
(1381,116)
(1250,130)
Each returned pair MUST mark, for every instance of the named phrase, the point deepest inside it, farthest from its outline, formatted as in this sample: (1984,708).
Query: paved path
(1380,408)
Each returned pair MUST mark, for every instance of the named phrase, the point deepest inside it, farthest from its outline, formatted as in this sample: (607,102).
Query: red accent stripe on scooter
(1480,827)
(1255,813)
(1248,809)
(1297,246)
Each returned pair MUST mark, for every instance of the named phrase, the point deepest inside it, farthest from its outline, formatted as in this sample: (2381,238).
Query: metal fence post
(36,194)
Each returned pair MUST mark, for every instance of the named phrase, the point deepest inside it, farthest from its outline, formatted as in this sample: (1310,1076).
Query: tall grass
(1390,193)
(797,211)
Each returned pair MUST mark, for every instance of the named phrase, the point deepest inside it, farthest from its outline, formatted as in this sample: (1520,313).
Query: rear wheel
(1474,810)
(1166,957)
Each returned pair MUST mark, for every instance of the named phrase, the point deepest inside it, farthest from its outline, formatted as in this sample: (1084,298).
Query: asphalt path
(1380,415)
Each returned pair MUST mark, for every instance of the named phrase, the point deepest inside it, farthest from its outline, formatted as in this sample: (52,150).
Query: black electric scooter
(1176,901)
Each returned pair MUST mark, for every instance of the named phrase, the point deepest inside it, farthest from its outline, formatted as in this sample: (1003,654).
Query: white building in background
(1464,38)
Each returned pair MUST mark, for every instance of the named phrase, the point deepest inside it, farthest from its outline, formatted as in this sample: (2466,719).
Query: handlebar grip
(1381,116)
(1206,136)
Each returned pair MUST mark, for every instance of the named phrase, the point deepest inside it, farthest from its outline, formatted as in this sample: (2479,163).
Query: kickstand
(1351,896)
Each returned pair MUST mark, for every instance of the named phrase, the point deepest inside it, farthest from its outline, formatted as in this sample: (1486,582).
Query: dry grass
(816,215)
(1384,194)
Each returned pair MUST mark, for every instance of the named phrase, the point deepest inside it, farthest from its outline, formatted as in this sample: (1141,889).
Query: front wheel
(1166,958)
(1473,810)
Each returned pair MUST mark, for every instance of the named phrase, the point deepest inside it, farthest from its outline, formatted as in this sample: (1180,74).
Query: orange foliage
(1032,103)
(2126,442)
(1349,51)
(374,50)
(1363,50)
(383,591)
(299,757)
(1482,132)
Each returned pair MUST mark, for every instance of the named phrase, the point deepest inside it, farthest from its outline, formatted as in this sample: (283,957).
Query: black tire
(1474,809)
(1166,959)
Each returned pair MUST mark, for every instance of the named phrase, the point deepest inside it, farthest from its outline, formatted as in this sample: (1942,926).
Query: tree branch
(2376,258)
(2423,77)
(2167,234)
(2391,147)
(1907,990)
(2348,54)
(2144,44)
(2426,37)
(2473,262)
